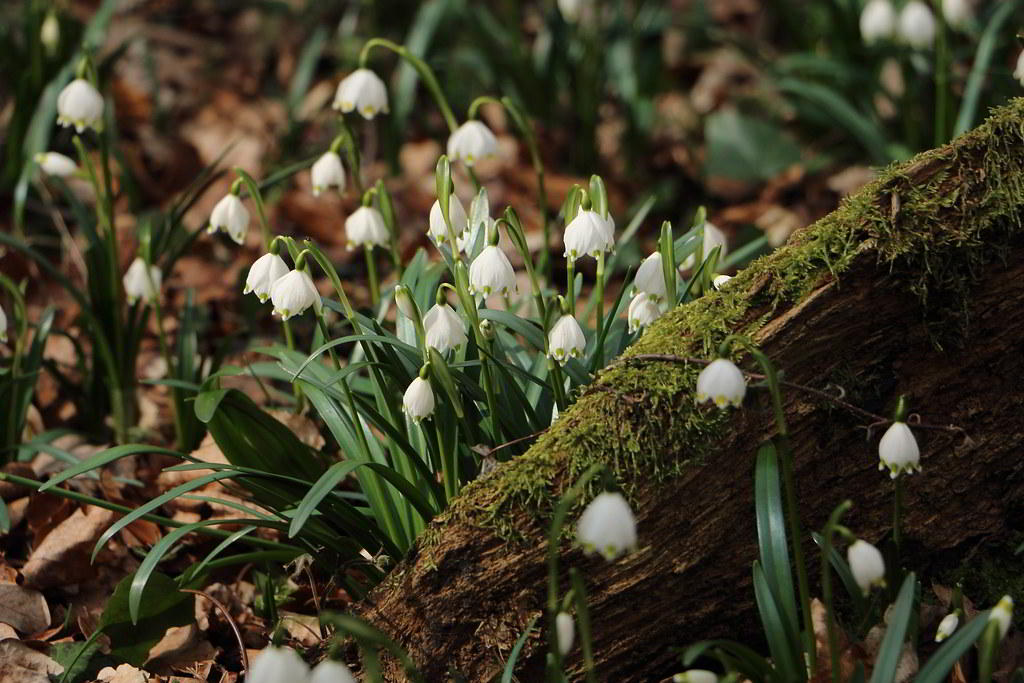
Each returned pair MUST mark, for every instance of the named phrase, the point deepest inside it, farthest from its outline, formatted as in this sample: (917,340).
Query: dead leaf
(64,555)
(21,664)
(23,608)
(125,673)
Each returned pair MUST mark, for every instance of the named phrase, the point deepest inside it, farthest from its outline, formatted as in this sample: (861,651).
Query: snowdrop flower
(471,142)
(713,237)
(642,312)
(491,273)
(456,214)
(898,450)
(565,628)
(56,164)
(607,526)
(330,671)
(277,664)
(588,234)
(866,565)
(566,339)
(571,10)
(263,273)
(327,172)
(362,91)
(3,325)
(1018,72)
(650,278)
(80,105)
(917,25)
(1001,614)
(138,284)
(696,676)
(947,626)
(418,400)
(956,12)
(293,293)
(721,382)
(366,227)
(445,329)
(231,216)
(877,21)
(719,281)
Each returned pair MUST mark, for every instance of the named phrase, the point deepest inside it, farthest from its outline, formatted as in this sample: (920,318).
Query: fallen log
(913,286)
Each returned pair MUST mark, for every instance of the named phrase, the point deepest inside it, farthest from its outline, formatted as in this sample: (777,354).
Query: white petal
(898,450)
(329,671)
(566,339)
(366,227)
(588,234)
(418,400)
(277,665)
(877,21)
(56,164)
(444,328)
(866,565)
(491,273)
(642,312)
(917,25)
(607,526)
(721,382)
(456,214)
(713,237)
(294,293)
(327,172)
(565,628)
(650,277)
(362,91)
(471,142)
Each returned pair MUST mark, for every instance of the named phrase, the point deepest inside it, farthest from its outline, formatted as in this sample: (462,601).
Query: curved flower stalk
(424,71)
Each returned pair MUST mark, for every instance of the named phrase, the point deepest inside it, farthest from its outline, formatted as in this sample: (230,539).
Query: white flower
(566,339)
(642,312)
(456,214)
(277,664)
(650,278)
(956,12)
(866,565)
(231,216)
(1001,614)
(403,299)
(877,21)
(49,32)
(947,626)
(571,9)
(722,382)
(588,234)
(140,285)
(363,91)
(366,227)
(444,328)
(898,450)
(471,142)
(330,671)
(917,25)
(80,105)
(56,164)
(696,676)
(719,281)
(263,273)
(418,401)
(327,172)
(607,526)
(491,273)
(565,628)
(3,325)
(1018,72)
(713,237)
(293,293)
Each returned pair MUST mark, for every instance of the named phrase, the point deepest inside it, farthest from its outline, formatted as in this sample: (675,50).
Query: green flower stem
(942,67)
(449,464)
(826,587)
(21,327)
(165,351)
(599,314)
(348,141)
(371,272)
(422,69)
(897,513)
(570,285)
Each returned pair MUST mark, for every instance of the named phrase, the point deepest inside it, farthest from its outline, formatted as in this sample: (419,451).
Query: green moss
(935,221)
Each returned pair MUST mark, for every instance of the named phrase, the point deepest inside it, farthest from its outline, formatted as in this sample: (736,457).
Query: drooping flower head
(140,284)
(947,626)
(588,234)
(366,228)
(276,665)
(566,339)
(263,273)
(1018,71)
(1001,614)
(362,91)
(696,676)
(722,383)
(607,526)
(713,237)
(877,21)
(327,172)
(231,216)
(456,214)
(418,400)
(444,328)
(471,142)
(866,565)
(642,312)
(957,13)
(80,105)
(898,450)
(491,273)
(3,325)
(293,293)
(650,278)
(565,629)
(917,26)
(331,671)
(56,164)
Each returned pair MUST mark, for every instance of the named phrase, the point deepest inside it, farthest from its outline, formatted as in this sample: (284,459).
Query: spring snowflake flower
(1002,613)
(362,91)
(607,526)
(957,13)
(138,284)
(650,278)
(491,273)
(471,142)
(947,626)
(713,237)
(80,105)
(696,676)
(917,25)
(898,450)
(588,234)
(231,216)
(571,10)
(719,281)
(3,325)
(877,21)
(866,565)
(263,273)
(277,664)
(1018,71)
(327,172)
(418,400)
(56,164)
(456,214)
(642,312)
(366,227)
(566,340)
(565,629)
(293,293)
(330,671)
(444,328)
(721,382)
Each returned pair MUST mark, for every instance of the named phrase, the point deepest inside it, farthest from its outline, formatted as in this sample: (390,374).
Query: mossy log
(913,286)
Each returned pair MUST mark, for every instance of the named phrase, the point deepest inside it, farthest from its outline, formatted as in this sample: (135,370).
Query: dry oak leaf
(21,664)
(23,608)
(63,557)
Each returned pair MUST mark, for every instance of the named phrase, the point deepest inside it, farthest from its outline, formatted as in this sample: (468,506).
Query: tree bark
(912,287)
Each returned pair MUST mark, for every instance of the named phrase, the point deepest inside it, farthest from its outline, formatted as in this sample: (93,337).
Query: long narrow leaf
(892,644)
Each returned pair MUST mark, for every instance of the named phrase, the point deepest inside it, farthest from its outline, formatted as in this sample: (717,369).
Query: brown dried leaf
(23,608)
(63,556)
(125,673)
(21,664)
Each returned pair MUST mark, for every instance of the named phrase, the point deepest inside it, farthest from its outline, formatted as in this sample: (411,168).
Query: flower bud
(231,216)
(650,278)
(263,273)
(719,281)
(366,228)
(866,565)
(56,164)
(1001,614)
(330,671)
(957,13)
(405,303)
(588,234)
(138,284)
(487,330)
(471,142)
(445,329)
(293,293)
(80,105)
(566,340)
(917,25)
(277,664)
(947,626)
(607,526)
(491,273)
(571,10)
(327,172)
(877,21)
(456,214)
(565,628)
(642,312)
(898,450)
(721,382)
(1018,71)
(49,33)
(418,400)
(3,325)
(362,91)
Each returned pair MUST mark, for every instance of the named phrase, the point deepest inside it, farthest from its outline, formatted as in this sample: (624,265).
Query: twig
(231,622)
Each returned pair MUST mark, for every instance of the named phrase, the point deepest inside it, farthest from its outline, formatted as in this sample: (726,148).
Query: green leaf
(81,660)
(892,644)
(941,663)
(100,459)
(745,148)
(162,606)
(513,656)
(784,651)
(771,536)
(750,663)
(979,68)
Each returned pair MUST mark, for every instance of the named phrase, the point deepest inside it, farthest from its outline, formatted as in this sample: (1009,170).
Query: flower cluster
(915,24)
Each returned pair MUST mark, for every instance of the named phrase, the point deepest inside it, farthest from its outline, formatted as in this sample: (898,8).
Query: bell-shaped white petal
(898,450)
(719,281)
(696,676)
(330,671)
(721,382)
(607,526)
(642,312)
(56,164)
(650,277)
(231,216)
(362,91)
(471,142)
(277,665)
(444,328)
(957,13)
(80,105)
(327,172)
(866,565)
(263,273)
(456,214)
(588,234)
(947,626)
(418,401)
(366,228)
(917,26)
(1002,614)
(138,284)
(565,629)
(491,273)
(566,340)
(713,237)
(1018,71)
(3,325)
(293,293)
(877,21)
